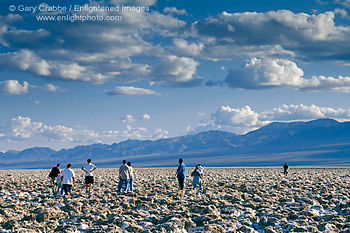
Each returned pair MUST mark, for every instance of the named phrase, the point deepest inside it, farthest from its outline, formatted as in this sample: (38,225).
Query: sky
(80,72)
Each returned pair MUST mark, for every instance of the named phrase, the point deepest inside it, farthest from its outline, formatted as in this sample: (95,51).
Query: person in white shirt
(124,175)
(68,179)
(131,183)
(89,177)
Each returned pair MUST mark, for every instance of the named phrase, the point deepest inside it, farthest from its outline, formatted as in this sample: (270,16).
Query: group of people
(197,175)
(63,181)
(126,177)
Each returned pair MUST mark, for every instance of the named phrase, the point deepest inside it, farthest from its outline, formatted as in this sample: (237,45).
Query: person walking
(88,168)
(124,177)
(55,171)
(60,190)
(285,169)
(68,179)
(181,174)
(131,185)
(197,178)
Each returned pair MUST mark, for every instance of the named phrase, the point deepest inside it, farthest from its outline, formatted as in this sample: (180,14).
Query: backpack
(51,173)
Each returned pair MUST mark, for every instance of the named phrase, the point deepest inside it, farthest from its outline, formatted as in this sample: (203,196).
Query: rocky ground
(233,200)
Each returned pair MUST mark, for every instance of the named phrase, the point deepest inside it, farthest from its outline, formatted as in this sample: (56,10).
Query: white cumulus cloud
(174,10)
(245,116)
(176,72)
(308,36)
(13,87)
(130,90)
(304,112)
(23,128)
(273,73)
(243,120)
(128,119)
(58,133)
(181,46)
(86,53)
(25,60)
(146,117)
(20,128)
(265,73)
(53,88)
(160,134)
(133,132)
(128,133)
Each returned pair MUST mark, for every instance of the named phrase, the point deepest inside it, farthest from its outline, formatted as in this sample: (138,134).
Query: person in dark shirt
(285,168)
(181,175)
(55,171)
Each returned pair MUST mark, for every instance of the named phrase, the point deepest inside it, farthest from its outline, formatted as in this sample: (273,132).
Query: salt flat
(233,200)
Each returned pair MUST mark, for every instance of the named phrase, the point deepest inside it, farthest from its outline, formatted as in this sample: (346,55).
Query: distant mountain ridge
(323,142)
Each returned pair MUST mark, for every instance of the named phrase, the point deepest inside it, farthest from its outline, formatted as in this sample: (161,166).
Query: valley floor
(233,200)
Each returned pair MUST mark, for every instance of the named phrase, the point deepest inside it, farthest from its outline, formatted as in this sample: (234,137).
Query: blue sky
(180,68)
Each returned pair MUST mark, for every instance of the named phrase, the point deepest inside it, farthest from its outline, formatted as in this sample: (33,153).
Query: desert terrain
(233,200)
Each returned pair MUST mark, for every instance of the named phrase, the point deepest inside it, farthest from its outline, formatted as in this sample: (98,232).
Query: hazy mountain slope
(319,142)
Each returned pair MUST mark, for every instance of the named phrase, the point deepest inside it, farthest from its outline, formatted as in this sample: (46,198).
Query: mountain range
(323,142)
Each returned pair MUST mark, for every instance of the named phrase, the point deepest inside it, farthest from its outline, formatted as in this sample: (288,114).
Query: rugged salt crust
(233,200)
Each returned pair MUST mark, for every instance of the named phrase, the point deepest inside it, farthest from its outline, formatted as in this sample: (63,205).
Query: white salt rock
(83,226)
